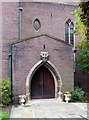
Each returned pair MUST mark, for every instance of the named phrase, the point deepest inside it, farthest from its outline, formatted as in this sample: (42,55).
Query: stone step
(42,101)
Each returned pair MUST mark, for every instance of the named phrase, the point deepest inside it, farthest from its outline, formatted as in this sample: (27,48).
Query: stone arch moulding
(55,74)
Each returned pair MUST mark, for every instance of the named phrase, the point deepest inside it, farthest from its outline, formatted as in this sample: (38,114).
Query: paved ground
(50,109)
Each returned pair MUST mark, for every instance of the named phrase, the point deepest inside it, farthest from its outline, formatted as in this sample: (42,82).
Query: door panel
(48,84)
(42,84)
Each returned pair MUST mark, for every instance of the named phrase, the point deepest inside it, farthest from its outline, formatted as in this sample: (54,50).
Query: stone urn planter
(22,100)
(67,96)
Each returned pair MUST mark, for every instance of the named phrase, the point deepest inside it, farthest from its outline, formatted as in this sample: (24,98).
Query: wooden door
(42,84)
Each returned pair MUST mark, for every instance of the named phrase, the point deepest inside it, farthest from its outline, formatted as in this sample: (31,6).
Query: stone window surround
(37,24)
(69,25)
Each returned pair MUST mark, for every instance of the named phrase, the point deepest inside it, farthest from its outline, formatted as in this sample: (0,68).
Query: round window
(37,24)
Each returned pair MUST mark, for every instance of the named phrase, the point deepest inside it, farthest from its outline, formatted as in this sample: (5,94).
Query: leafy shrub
(77,95)
(4,115)
(5,90)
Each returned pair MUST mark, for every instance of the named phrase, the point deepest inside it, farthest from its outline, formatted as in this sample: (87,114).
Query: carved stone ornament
(44,56)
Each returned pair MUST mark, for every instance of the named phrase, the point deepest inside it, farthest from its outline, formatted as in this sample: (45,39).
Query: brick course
(27,53)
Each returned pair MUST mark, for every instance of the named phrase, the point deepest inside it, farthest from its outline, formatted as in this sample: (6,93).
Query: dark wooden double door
(42,84)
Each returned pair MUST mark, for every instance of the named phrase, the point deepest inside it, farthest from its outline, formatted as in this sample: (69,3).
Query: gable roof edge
(47,35)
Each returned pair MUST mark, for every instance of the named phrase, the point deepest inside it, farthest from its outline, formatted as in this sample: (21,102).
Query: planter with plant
(67,96)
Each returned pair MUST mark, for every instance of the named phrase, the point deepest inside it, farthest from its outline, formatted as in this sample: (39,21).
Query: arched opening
(69,32)
(42,84)
(52,75)
(37,24)
(72,33)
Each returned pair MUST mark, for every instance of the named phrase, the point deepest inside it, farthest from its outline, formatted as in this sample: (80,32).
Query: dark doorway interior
(42,84)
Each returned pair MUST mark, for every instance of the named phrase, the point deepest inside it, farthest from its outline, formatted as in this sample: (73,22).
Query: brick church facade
(35,55)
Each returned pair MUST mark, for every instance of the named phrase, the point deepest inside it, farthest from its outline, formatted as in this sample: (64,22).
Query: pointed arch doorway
(43,81)
(42,84)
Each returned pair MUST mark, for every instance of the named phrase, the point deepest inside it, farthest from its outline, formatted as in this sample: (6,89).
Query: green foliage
(83,60)
(4,115)
(82,29)
(84,6)
(77,95)
(5,90)
(84,16)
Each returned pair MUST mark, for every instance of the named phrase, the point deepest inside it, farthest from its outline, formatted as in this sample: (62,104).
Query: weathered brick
(26,54)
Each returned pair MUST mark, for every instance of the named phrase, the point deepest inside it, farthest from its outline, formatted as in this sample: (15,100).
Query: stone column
(59,94)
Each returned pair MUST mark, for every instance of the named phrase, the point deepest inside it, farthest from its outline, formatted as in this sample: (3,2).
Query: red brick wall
(53,25)
(82,80)
(9,32)
(27,53)
(52,18)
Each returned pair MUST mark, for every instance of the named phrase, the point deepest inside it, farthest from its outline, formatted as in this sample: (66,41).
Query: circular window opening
(37,24)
